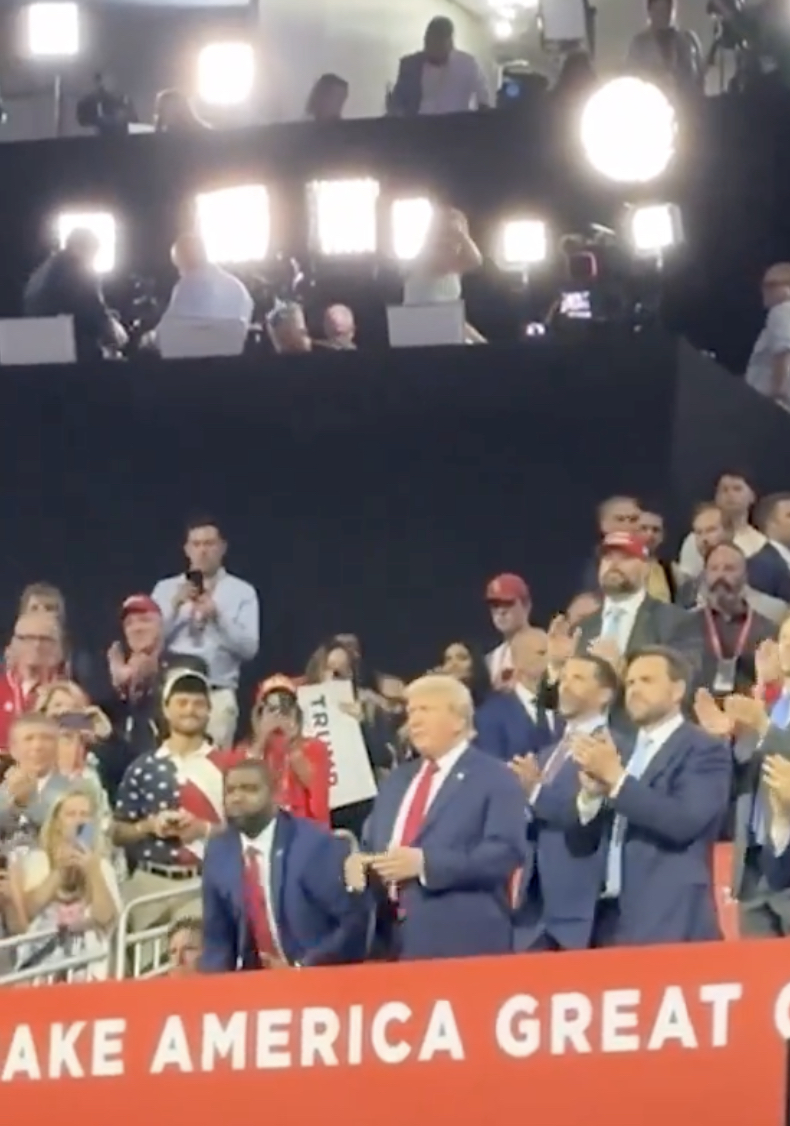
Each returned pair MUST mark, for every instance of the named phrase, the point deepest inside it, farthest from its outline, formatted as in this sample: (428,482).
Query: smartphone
(576,305)
(75,721)
(86,835)
(195,579)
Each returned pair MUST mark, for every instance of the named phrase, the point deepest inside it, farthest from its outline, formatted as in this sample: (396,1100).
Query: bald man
(205,291)
(768,370)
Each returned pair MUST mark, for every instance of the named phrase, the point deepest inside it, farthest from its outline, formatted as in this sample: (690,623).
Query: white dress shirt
(528,700)
(446,764)
(588,805)
(627,608)
(748,539)
(263,845)
(783,551)
(210,293)
(455,87)
(773,341)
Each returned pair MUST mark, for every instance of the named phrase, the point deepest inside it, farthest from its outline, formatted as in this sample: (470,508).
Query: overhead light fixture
(523,243)
(53,30)
(235,223)
(101,224)
(410,222)
(653,229)
(226,73)
(629,130)
(343,216)
(503,29)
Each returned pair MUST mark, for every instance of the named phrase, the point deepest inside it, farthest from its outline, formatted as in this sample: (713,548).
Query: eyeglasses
(43,639)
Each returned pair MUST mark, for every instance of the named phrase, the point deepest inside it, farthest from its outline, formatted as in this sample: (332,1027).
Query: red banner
(654,1036)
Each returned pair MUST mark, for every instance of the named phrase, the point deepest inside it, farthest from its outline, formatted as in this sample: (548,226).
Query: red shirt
(13,702)
(310,801)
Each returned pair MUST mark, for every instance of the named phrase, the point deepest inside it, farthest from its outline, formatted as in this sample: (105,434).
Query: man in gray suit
(31,786)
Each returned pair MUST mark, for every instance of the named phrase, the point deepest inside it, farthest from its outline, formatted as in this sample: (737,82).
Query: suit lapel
(449,788)
(284,832)
(393,799)
(640,634)
(663,759)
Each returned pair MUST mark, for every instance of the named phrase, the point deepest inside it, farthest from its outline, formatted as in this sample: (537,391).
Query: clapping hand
(607,649)
(527,770)
(710,716)
(598,758)
(776,775)
(747,712)
(562,642)
(398,864)
(767,665)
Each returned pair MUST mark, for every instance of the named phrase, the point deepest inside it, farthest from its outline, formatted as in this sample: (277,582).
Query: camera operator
(299,766)
(667,54)
(106,111)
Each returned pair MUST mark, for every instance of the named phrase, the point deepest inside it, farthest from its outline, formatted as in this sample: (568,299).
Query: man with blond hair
(444,838)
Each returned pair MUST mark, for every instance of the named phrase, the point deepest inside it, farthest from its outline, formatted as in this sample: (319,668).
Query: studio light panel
(101,223)
(235,223)
(343,216)
(524,242)
(655,228)
(53,30)
(226,73)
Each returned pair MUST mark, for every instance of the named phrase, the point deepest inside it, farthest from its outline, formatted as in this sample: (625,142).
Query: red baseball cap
(139,604)
(627,543)
(507,588)
(279,682)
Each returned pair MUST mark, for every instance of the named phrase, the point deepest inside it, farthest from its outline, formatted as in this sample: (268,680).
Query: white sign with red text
(351,776)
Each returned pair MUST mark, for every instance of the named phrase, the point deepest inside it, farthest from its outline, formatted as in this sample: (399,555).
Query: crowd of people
(563,789)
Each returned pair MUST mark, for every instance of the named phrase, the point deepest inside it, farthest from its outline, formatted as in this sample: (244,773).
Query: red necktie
(415,815)
(256,902)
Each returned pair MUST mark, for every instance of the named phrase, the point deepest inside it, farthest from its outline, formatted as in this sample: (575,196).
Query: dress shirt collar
(164,751)
(629,605)
(448,761)
(264,840)
(526,696)
(43,781)
(783,551)
(659,733)
(587,726)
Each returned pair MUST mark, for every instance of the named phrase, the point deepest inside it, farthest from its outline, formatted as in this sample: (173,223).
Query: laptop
(37,340)
(418,326)
(181,338)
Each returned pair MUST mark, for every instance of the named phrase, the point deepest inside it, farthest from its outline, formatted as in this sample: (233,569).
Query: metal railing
(69,967)
(143,953)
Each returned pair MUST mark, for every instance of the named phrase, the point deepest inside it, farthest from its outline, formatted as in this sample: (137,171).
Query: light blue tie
(758,823)
(610,626)
(635,768)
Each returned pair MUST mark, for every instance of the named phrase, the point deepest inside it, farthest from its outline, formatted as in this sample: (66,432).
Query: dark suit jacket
(473,841)
(318,921)
(674,813)
(761,630)
(748,764)
(768,572)
(504,728)
(406,96)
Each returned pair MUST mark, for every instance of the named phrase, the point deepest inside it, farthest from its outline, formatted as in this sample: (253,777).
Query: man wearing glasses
(33,658)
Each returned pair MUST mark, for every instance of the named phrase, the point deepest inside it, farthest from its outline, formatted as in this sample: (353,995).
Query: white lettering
(223,1040)
(63,1057)
(720,996)
(442,1034)
(172,1049)
(355,1034)
(107,1047)
(571,1016)
(21,1059)
(386,1050)
(272,1048)
(517,1030)
(672,1022)
(619,1021)
(320,1031)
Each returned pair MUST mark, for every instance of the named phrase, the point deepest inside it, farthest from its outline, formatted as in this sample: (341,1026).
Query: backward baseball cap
(185,680)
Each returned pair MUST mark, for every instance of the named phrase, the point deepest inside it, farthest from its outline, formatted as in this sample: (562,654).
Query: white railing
(143,953)
(69,967)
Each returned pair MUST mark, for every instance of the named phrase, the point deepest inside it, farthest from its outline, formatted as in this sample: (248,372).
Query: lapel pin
(460,776)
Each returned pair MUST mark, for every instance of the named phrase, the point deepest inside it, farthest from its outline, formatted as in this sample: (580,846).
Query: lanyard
(715,640)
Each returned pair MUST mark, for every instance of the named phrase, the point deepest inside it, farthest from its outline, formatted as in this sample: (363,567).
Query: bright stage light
(235,223)
(343,216)
(225,73)
(101,224)
(655,228)
(411,220)
(53,30)
(628,130)
(523,242)
(503,29)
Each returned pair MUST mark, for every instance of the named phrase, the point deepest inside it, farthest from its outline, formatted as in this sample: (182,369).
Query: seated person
(327,99)
(205,291)
(66,284)
(174,114)
(287,329)
(67,882)
(339,329)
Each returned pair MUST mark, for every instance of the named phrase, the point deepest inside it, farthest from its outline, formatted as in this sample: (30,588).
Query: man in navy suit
(274,886)
(657,812)
(445,837)
(558,892)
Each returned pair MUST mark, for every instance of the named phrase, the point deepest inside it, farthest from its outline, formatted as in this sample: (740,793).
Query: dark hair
(616,498)
(677,665)
(704,506)
(255,765)
(324,84)
(441,25)
(361,675)
(604,672)
(203,520)
(738,474)
(479,682)
(764,509)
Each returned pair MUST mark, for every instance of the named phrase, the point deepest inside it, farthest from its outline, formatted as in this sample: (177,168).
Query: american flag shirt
(160,781)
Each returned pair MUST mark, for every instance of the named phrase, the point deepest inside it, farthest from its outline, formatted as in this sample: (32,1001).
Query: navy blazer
(505,728)
(768,572)
(318,921)
(674,813)
(559,891)
(406,96)
(473,841)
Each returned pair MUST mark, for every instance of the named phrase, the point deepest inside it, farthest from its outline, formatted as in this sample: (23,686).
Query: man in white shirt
(509,604)
(733,498)
(768,370)
(657,812)
(440,78)
(205,291)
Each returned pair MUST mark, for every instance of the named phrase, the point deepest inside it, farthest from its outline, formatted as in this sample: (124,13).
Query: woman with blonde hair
(67,884)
